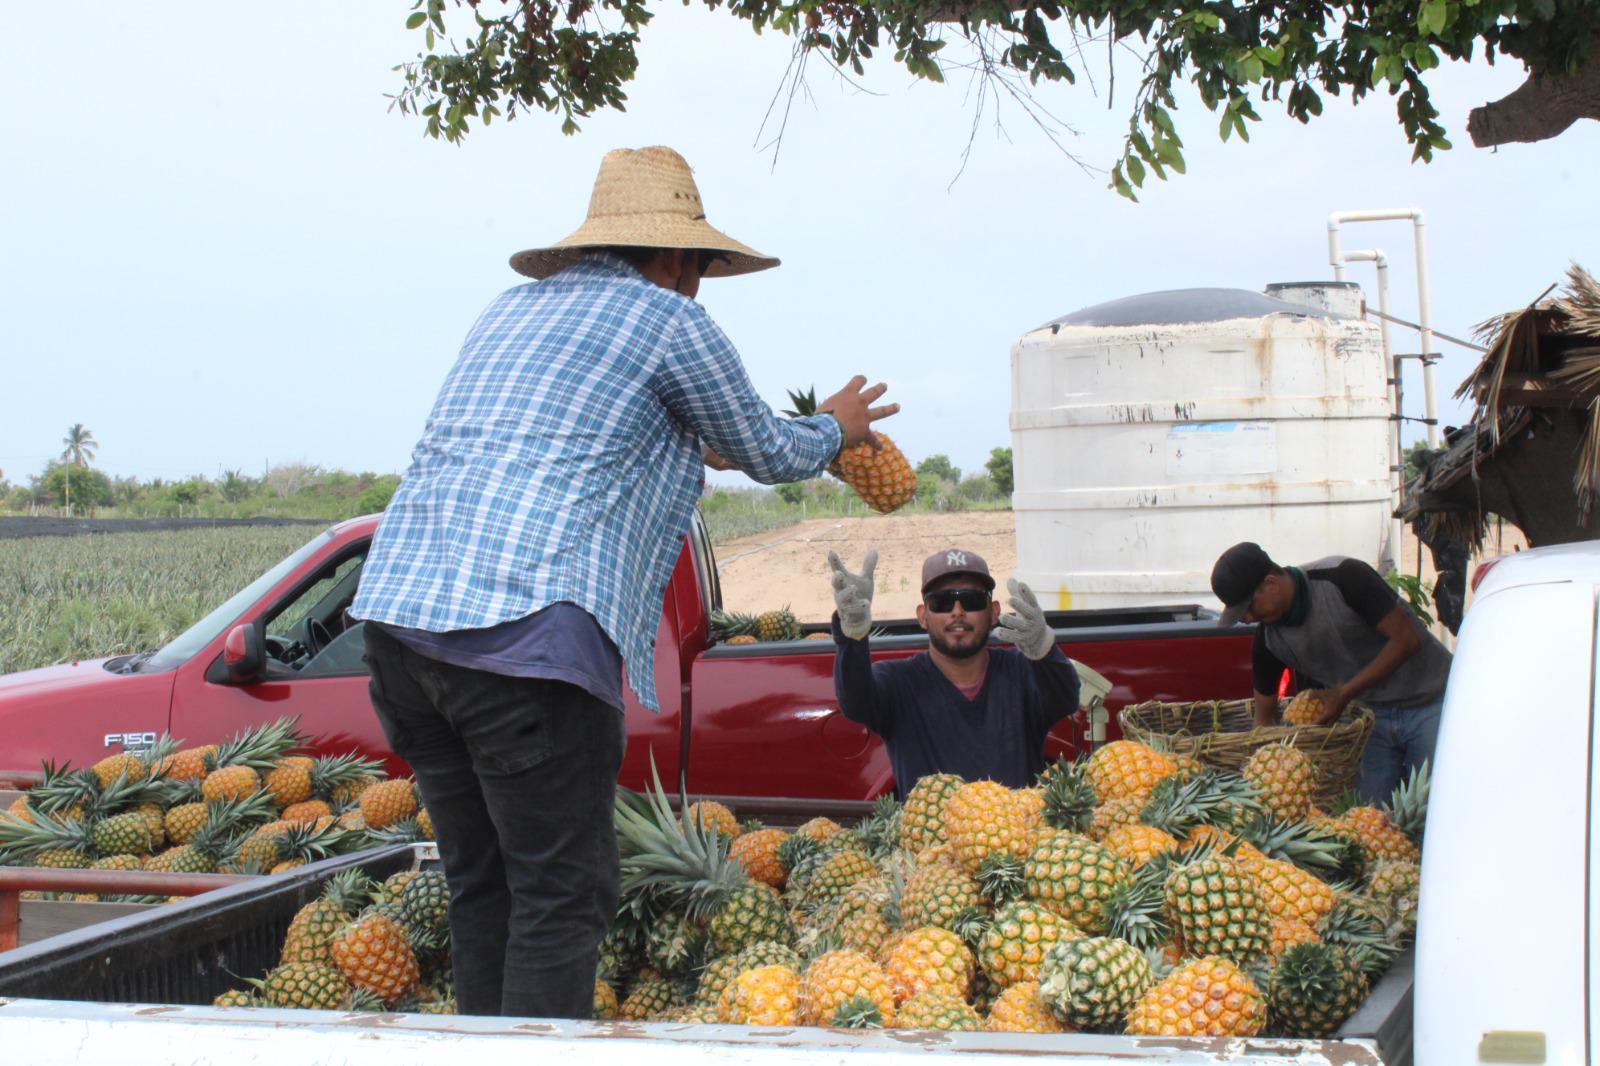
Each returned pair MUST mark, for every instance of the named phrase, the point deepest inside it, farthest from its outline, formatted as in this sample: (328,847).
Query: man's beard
(949,651)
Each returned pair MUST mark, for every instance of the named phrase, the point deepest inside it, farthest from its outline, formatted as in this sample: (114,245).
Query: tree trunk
(1541,108)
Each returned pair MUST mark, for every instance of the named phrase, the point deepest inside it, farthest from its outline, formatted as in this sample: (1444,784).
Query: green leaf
(416,19)
(1136,171)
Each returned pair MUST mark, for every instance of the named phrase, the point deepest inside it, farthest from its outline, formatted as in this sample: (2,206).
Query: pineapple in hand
(882,477)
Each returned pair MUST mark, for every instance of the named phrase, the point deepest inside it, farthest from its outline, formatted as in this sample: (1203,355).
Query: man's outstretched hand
(1024,625)
(852,594)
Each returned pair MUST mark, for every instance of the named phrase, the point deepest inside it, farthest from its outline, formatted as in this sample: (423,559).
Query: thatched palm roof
(1536,420)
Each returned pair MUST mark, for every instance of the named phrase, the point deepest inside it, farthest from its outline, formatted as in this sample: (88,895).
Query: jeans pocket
(512,736)
(397,735)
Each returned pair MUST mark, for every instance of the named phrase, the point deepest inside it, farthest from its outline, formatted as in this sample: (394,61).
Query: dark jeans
(519,776)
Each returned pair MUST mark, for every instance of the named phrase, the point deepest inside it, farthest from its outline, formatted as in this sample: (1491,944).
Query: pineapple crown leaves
(63,787)
(1343,803)
(348,889)
(258,748)
(405,831)
(1001,877)
(1408,803)
(1362,934)
(165,745)
(857,1012)
(1209,797)
(1310,847)
(304,840)
(803,404)
(1136,911)
(751,825)
(796,851)
(880,830)
(330,771)
(725,624)
(684,859)
(46,832)
(970,924)
(1069,799)
(1313,970)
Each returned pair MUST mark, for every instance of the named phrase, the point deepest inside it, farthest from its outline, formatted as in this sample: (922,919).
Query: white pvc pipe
(1396,393)
(1424,307)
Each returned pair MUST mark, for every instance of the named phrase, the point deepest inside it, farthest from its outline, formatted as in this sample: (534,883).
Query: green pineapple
(304,986)
(1076,876)
(425,901)
(680,863)
(922,817)
(1094,981)
(937,1009)
(1218,909)
(1069,799)
(1312,991)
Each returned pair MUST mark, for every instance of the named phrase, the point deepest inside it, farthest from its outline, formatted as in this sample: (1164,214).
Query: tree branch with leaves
(574,58)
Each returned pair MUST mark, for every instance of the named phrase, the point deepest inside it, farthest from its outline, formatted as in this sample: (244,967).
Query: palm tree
(80,445)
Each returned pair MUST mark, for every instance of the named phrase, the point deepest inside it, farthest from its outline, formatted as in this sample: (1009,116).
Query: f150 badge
(130,742)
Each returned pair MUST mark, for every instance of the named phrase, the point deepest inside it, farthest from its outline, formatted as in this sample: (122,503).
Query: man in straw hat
(963,706)
(1338,621)
(522,563)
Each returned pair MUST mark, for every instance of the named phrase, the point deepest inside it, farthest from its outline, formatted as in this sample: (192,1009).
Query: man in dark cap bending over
(1338,621)
(961,707)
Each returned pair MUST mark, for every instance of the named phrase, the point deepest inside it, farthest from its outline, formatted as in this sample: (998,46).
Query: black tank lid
(1174,307)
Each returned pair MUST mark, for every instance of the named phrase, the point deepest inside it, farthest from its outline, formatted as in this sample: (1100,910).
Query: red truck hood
(72,712)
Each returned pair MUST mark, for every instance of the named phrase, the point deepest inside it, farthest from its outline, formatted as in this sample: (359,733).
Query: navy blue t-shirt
(562,642)
(930,727)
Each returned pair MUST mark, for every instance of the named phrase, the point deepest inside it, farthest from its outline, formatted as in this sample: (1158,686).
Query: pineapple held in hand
(883,478)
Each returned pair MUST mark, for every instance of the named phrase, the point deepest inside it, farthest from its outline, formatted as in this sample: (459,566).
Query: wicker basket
(1223,734)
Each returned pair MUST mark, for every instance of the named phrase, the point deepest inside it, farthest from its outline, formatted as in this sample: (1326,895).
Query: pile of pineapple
(1134,891)
(363,946)
(247,805)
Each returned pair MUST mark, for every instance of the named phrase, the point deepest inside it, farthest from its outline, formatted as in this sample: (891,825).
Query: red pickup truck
(736,720)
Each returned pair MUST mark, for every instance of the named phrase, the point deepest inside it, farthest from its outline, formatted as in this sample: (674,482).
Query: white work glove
(852,594)
(1024,624)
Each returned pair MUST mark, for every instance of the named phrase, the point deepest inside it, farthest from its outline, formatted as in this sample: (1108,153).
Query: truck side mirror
(244,654)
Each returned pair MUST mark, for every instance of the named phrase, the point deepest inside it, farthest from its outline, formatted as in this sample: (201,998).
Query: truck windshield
(197,636)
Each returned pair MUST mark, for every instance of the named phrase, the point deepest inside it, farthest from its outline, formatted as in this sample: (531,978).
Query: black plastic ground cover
(183,953)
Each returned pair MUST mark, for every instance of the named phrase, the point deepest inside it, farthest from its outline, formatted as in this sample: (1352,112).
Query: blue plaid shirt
(563,459)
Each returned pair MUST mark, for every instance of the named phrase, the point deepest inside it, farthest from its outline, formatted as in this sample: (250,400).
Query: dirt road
(790,566)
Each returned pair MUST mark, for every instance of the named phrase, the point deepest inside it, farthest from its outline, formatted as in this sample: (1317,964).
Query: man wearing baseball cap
(961,707)
(1338,621)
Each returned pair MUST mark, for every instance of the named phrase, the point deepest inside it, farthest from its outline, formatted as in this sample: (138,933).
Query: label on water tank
(1198,449)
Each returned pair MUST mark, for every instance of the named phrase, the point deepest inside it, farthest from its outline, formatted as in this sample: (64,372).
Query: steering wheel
(317,636)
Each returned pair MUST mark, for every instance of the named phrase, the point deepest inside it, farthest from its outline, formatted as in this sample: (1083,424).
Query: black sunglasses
(944,601)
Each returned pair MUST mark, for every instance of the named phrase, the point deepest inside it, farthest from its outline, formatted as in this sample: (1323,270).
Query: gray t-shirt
(1339,636)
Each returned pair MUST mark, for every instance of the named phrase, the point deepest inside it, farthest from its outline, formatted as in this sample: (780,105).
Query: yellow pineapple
(605,1001)
(938,1008)
(1020,1009)
(835,978)
(1290,892)
(922,814)
(373,955)
(1285,779)
(983,818)
(929,958)
(709,814)
(1377,835)
(1206,997)
(1286,933)
(757,852)
(766,995)
(122,765)
(388,802)
(187,764)
(289,781)
(1116,814)
(1127,768)
(818,828)
(882,477)
(1136,845)
(1304,709)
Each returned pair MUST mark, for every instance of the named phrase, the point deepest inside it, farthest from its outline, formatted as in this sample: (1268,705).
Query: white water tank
(1150,433)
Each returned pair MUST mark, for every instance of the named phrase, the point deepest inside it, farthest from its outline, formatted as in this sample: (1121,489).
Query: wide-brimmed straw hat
(644,198)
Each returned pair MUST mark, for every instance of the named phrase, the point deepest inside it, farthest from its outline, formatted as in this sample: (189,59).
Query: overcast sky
(220,250)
